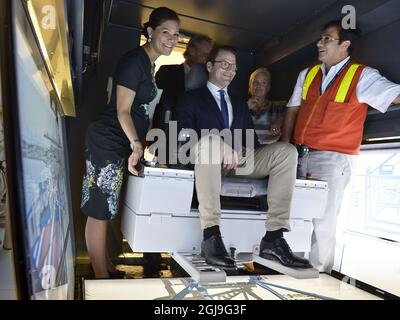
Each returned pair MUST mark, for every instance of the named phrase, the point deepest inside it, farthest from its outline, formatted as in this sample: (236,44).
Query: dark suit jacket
(197,109)
(170,78)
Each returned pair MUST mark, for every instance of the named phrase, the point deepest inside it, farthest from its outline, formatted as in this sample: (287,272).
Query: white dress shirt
(372,88)
(217,96)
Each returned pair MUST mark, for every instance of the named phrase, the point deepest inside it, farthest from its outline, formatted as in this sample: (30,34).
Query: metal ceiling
(274,28)
(244,24)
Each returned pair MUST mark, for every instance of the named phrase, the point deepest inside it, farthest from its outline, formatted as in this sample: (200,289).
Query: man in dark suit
(175,79)
(211,107)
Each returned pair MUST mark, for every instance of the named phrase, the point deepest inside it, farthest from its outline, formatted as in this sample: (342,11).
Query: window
(374,196)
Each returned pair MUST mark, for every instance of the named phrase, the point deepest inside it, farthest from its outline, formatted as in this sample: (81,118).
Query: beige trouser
(278,161)
(335,168)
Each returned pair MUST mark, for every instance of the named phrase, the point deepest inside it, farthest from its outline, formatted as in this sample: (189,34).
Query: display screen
(45,187)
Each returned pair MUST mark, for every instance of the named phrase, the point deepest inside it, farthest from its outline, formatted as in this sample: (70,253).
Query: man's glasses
(226,65)
(326,39)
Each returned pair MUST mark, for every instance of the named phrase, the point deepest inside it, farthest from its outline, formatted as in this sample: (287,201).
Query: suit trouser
(335,168)
(278,161)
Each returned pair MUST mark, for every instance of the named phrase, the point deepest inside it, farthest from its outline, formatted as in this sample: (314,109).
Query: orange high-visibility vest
(335,120)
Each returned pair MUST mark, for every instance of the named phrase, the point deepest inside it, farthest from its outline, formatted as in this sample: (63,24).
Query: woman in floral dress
(113,141)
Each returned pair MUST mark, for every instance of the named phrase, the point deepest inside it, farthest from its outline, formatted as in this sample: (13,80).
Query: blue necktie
(224,108)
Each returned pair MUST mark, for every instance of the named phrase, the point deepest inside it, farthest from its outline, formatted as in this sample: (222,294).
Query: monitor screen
(43,185)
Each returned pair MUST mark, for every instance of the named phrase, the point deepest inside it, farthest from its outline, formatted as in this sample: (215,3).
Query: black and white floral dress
(107,147)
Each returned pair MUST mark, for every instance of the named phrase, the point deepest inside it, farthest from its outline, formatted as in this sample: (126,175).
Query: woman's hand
(134,158)
(276,128)
(253,102)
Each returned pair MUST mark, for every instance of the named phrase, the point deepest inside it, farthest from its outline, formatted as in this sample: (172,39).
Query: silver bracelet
(133,143)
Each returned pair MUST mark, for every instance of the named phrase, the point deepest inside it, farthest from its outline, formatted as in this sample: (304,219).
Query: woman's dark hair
(157,17)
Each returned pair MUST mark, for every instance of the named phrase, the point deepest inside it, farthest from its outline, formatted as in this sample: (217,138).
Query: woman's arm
(276,126)
(125,99)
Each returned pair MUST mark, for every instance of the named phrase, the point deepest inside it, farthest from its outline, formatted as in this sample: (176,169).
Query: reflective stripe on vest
(345,84)
(309,79)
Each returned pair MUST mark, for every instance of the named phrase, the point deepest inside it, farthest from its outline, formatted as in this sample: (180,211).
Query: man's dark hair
(194,41)
(214,52)
(352,35)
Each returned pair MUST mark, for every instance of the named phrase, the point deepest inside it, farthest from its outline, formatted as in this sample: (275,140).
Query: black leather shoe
(213,250)
(280,250)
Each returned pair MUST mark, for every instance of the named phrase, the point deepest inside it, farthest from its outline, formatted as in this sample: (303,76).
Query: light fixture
(383,139)
(183,38)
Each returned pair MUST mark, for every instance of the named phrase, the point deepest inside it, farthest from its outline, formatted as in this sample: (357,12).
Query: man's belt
(303,149)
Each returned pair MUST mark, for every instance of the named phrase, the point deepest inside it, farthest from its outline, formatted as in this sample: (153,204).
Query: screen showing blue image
(45,182)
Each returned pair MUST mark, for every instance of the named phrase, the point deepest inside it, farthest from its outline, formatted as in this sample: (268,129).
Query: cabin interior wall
(239,85)
(378,49)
